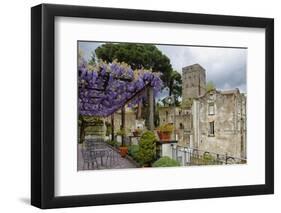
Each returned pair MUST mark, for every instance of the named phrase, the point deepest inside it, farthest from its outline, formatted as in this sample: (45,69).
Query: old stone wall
(183,122)
(193,81)
(221,123)
(130,121)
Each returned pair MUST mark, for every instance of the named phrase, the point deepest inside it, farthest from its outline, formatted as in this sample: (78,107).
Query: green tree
(137,56)
(175,85)
(146,56)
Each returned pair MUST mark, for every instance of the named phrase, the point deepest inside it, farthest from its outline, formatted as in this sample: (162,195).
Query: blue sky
(226,67)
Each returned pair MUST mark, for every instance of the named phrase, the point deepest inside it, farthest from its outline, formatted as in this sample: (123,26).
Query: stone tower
(193,81)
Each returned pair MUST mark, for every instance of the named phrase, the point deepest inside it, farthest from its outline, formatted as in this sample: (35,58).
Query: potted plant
(164,131)
(123,150)
(119,134)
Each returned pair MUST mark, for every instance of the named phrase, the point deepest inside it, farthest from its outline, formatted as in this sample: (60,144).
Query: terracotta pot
(164,136)
(123,151)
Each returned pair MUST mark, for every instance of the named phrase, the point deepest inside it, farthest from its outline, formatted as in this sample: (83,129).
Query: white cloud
(226,67)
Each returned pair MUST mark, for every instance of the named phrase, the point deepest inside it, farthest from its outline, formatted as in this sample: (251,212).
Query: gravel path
(103,163)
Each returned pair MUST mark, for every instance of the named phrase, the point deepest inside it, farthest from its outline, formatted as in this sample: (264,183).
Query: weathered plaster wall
(229,123)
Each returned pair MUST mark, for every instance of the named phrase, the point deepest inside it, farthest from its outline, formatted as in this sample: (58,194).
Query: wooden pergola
(148,89)
(110,87)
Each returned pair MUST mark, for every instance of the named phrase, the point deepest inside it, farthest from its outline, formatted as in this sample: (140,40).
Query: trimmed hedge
(147,148)
(165,162)
(133,151)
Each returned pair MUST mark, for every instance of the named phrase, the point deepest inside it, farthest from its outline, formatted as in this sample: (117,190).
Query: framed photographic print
(139,106)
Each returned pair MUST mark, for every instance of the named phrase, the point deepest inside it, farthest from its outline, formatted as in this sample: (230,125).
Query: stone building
(183,122)
(194,81)
(130,119)
(214,122)
(219,122)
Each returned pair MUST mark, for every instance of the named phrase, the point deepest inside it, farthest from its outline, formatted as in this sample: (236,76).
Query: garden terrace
(106,88)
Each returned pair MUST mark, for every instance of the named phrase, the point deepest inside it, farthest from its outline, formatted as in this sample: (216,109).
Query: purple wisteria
(105,88)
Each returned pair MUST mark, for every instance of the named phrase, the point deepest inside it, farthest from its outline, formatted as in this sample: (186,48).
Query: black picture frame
(43,105)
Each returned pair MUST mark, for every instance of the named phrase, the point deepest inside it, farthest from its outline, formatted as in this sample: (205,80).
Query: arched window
(211,108)
(181,126)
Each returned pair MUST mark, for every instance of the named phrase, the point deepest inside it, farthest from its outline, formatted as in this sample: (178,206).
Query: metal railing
(191,156)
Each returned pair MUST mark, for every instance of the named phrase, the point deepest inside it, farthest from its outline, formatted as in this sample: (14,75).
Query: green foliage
(138,56)
(113,143)
(175,85)
(92,60)
(145,56)
(133,151)
(208,159)
(147,148)
(91,119)
(210,86)
(121,132)
(99,130)
(165,162)
(166,127)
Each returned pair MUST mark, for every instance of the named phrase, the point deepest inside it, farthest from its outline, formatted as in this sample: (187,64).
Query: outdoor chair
(100,154)
(87,159)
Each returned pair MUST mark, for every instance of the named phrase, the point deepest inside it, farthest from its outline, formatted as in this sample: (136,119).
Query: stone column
(123,124)
(112,127)
(151,109)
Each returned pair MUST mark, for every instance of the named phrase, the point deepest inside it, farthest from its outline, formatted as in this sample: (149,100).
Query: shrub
(147,148)
(166,127)
(208,159)
(121,132)
(92,119)
(165,162)
(133,151)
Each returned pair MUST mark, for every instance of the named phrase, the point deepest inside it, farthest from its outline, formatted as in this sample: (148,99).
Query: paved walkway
(117,163)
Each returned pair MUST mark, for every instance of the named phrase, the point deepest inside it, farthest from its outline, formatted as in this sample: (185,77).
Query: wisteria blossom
(104,88)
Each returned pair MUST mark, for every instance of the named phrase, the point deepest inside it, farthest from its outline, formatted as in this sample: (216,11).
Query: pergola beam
(128,100)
